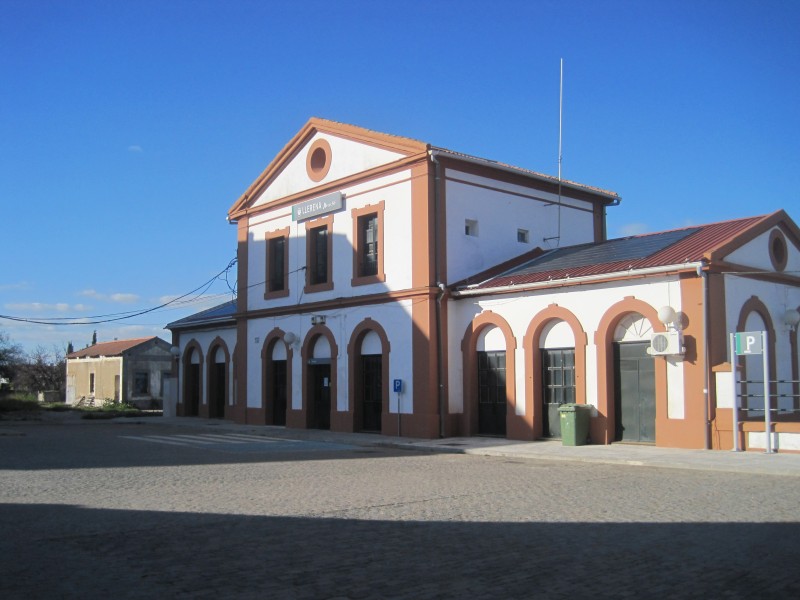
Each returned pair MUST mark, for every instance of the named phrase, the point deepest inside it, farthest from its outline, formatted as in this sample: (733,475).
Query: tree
(41,371)
(70,348)
(94,337)
(10,356)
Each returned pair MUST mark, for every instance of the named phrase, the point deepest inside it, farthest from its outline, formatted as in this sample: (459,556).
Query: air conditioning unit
(666,343)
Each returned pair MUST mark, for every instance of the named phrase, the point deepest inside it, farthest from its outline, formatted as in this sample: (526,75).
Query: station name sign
(317,206)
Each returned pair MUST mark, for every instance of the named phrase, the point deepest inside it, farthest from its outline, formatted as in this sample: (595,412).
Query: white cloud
(22,285)
(120,297)
(61,307)
(135,148)
(125,298)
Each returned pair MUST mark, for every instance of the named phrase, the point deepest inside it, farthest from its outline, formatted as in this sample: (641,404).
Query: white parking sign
(749,342)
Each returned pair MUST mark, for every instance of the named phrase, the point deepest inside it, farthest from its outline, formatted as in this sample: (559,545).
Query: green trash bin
(574,423)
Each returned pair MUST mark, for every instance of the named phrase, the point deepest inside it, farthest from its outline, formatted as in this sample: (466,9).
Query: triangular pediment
(770,246)
(323,152)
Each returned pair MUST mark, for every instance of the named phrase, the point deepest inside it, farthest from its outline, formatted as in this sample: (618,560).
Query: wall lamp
(668,316)
(791,317)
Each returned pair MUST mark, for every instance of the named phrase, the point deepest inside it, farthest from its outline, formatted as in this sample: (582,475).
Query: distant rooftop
(115,348)
(220,313)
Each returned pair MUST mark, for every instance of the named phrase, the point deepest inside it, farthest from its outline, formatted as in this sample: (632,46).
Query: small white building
(389,285)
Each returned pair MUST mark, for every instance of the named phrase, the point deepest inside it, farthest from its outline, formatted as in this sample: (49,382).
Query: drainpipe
(706,377)
(439,294)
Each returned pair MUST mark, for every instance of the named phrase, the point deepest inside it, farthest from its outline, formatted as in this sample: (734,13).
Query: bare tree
(10,356)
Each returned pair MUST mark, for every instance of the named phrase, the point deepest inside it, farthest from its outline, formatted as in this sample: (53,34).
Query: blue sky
(127,129)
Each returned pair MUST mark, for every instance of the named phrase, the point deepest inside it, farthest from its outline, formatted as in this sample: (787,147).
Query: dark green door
(492,400)
(635,393)
(320,400)
(558,381)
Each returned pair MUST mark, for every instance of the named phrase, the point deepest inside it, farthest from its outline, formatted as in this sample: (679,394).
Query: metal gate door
(635,393)
(492,399)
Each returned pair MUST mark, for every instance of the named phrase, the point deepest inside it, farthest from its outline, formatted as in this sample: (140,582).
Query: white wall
(347,158)
(499,214)
(394,190)
(204,339)
(394,317)
(588,303)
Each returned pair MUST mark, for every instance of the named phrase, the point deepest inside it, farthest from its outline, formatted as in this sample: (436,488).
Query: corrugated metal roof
(114,348)
(690,244)
(221,312)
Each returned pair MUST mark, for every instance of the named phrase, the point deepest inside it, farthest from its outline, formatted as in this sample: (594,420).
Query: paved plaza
(151,508)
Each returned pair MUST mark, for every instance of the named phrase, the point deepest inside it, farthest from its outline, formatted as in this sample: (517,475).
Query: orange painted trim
(533,362)
(603,427)
(778,250)
(355,215)
(326,223)
(318,160)
(217,343)
(527,181)
(271,235)
(518,427)
(355,391)
(777,219)
(275,336)
(183,409)
(304,417)
(397,144)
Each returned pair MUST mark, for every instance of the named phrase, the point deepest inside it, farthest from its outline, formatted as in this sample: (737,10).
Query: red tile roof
(662,249)
(115,348)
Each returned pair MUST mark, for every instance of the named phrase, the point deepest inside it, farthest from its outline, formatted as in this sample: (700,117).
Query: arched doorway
(634,381)
(319,384)
(192,360)
(217,381)
(492,397)
(369,383)
(276,361)
(557,351)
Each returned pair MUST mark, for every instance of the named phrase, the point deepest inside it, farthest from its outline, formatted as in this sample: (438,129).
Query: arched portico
(533,362)
(368,379)
(517,426)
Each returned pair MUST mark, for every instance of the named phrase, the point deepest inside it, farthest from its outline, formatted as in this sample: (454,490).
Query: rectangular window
(141,383)
(523,236)
(471,227)
(276,253)
(319,259)
(368,247)
(277,279)
(559,375)
(91,384)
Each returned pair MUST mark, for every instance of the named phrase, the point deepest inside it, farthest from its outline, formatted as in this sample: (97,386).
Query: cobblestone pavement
(133,510)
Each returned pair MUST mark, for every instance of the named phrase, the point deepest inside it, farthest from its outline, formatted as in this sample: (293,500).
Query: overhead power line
(111,317)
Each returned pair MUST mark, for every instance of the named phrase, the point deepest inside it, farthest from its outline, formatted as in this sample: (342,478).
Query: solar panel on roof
(631,248)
